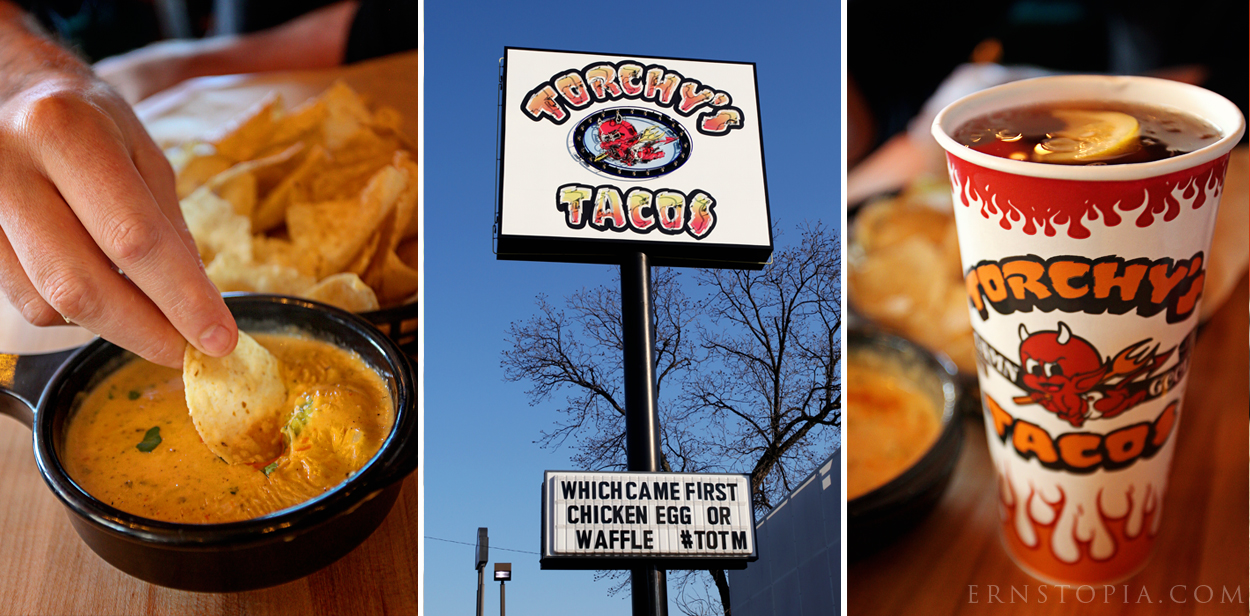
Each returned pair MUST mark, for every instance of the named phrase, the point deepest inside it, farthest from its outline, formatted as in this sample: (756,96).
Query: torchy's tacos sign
(602,155)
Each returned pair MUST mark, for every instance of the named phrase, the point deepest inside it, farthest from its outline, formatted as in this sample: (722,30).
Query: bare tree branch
(746,375)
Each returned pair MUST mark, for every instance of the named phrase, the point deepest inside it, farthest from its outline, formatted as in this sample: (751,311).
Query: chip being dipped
(237,402)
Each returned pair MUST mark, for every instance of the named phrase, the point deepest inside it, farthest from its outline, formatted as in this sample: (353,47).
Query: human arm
(312,41)
(84,193)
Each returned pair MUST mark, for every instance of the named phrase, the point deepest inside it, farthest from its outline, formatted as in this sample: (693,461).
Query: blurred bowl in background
(882,514)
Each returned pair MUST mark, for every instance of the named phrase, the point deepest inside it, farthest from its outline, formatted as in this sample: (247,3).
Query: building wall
(799,569)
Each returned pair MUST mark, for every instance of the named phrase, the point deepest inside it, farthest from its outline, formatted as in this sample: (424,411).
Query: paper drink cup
(1084,284)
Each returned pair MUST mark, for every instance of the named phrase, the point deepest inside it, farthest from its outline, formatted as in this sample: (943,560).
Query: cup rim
(1217,110)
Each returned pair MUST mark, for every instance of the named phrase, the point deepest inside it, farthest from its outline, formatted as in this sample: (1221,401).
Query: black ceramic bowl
(878,517)
(265,551)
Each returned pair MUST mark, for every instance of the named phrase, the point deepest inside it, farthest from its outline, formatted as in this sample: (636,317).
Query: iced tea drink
(1085,207)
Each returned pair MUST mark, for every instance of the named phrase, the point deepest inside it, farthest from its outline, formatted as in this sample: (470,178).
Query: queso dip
(132,444)
(890,424)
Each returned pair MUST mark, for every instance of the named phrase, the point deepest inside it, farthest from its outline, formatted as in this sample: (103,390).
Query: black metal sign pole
(481,594)
(642,419)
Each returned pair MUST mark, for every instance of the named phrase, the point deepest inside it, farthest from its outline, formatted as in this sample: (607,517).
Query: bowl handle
(22,379)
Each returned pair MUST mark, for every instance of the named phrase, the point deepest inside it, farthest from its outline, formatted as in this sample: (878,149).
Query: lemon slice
(1089,136)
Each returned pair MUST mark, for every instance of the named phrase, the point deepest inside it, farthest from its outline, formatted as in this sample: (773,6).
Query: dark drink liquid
(1087,133)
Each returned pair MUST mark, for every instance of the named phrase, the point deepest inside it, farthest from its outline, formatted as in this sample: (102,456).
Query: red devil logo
(623,143)
(1068,377)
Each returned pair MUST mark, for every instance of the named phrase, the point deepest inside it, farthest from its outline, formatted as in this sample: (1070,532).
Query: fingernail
(215,340)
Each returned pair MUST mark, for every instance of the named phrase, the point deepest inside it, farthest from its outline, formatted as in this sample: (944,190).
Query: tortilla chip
(409,251)
(272,210)
(346,113)
(372,260)
(366,145)
(239,189)
(387,120)
(271,170)
(302,124)
(360,263)
(399,281)
(277,251)
(182,154)
(197,171)
(338,230)
(231,273)
(266,173)
(246,138)
(346,291)
(268,250)
(343,181)
(385,190)
(395,222)
(216,228)
(410,230)
(325,227)
(237,401)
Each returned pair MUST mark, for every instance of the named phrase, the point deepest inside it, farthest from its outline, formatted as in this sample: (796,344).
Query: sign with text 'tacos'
(602,155)
(611,520)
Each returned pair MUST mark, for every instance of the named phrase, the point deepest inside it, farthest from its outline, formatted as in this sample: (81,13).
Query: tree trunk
(722,585)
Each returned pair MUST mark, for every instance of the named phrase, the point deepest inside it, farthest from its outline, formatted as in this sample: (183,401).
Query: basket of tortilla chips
(317,201)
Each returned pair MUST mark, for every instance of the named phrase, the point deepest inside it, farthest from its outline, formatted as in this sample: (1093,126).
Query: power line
(473,545)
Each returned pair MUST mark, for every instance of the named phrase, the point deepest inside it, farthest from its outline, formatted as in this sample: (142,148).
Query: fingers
(98,179)
(20,292)
(77,280)
(159,176)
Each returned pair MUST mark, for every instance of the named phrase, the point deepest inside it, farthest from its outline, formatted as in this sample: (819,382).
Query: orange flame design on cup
(1077,542)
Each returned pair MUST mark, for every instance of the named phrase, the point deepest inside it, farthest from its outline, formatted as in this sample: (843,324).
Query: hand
(84,193)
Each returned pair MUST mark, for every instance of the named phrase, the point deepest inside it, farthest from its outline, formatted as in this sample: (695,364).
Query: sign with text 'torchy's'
(602,155)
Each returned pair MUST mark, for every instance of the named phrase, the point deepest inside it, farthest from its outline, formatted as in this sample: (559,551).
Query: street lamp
(481,553)
(503,573)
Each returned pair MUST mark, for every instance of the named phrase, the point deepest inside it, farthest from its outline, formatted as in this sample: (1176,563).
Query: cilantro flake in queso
(150,440)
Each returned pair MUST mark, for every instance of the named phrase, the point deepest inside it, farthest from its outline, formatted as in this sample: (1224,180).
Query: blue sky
(482,467)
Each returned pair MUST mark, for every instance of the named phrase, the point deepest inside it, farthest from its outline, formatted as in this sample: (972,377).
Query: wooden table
(46,569)
(935,569)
